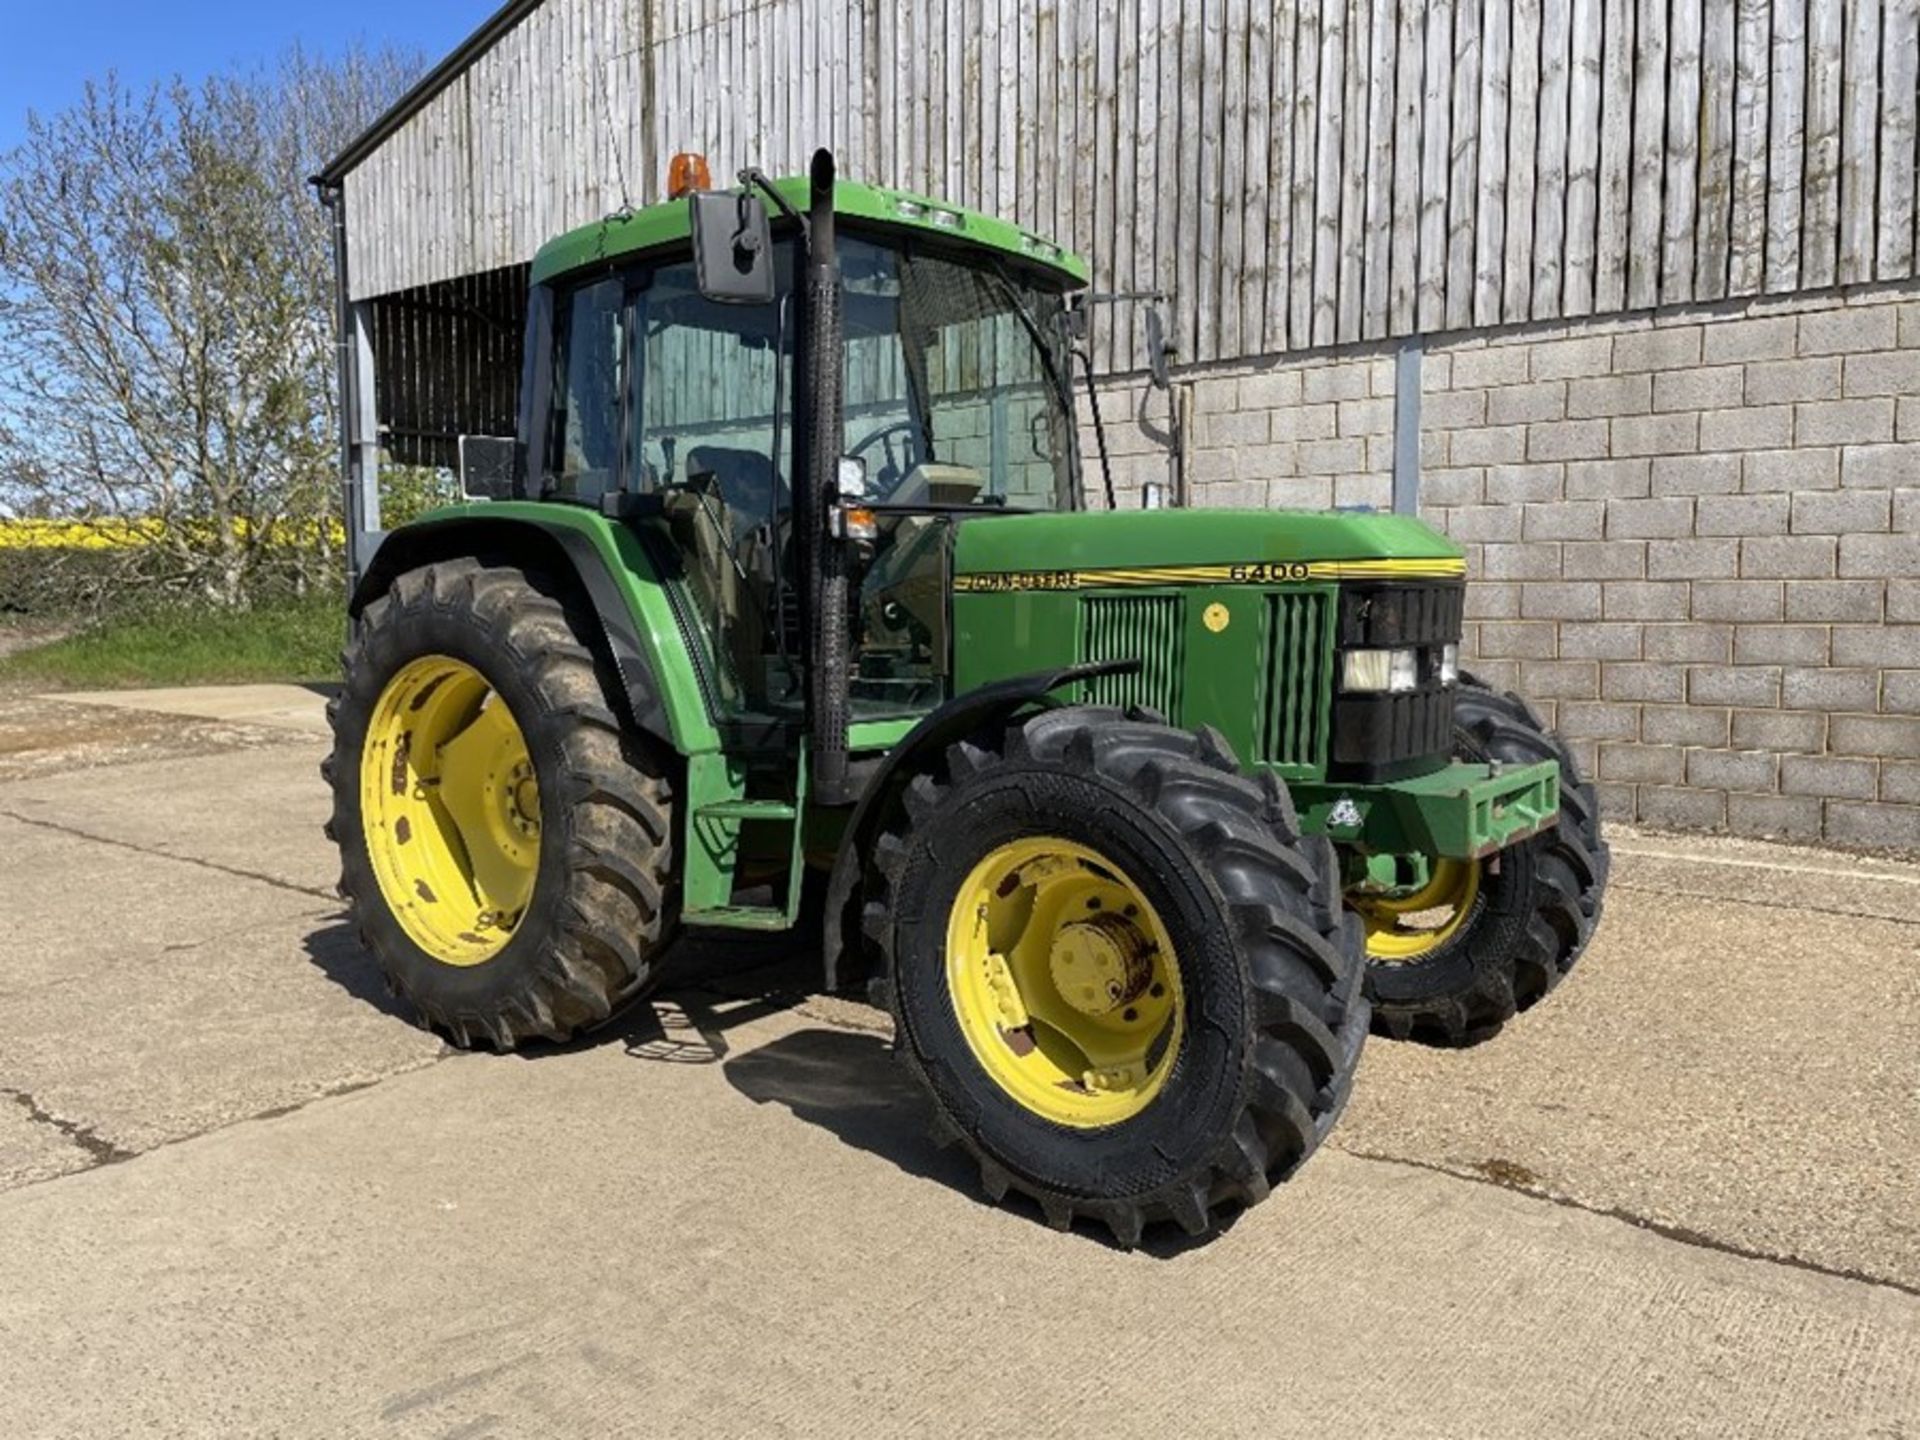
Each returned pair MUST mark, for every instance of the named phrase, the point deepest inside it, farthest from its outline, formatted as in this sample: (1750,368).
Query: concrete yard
(241,1194)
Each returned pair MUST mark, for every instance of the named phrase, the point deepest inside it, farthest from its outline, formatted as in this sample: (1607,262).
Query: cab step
(740,917)
(747,810)
(715,817)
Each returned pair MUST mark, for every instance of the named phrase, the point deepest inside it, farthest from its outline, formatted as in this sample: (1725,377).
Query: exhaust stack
(825,426)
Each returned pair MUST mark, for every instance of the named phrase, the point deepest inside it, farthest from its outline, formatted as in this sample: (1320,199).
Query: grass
(295,641)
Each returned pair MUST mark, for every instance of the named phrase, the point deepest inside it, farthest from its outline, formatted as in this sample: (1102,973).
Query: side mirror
(732,247)
(850,478)
(487,463)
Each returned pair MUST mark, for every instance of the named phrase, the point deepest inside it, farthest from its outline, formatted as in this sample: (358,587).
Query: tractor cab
(649,393)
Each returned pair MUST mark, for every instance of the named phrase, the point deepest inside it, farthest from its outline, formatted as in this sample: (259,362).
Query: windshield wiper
(1061,388)
(913,356)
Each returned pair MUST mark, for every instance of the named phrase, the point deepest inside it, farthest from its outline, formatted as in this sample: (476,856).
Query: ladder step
(747,810)
(740,917)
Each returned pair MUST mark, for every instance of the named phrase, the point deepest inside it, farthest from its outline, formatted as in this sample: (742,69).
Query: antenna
(613,142)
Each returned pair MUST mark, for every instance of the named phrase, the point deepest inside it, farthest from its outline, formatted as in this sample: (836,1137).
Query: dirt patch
(42,735)
(1510,1173)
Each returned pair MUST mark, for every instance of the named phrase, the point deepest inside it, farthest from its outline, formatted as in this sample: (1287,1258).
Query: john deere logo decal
(1253,572)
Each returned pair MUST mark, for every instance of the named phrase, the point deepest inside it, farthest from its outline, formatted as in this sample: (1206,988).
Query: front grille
(1299,679)
(1382,737)
(1388,614)
(1147,628)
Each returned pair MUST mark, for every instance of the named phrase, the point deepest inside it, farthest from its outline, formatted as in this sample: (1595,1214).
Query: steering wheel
(890,477)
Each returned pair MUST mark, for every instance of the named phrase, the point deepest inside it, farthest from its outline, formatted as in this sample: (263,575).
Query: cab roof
(668,223)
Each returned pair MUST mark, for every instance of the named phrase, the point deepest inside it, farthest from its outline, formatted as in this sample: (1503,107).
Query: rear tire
(604,896)
(1536,908)
(1269,966)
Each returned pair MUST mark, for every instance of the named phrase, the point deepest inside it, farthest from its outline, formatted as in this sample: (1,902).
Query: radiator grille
(1299,678)
(1148,628)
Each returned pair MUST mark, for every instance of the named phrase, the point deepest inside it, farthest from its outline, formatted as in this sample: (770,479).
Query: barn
(1620,293)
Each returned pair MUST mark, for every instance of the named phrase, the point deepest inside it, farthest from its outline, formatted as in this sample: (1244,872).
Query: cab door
(711,436)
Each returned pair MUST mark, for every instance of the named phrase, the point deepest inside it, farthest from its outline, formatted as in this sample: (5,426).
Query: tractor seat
(746,480)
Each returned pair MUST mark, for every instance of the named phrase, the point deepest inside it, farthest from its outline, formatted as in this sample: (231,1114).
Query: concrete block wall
(1306,434)
(1694,538)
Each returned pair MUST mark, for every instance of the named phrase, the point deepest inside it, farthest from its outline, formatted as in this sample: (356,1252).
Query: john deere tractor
(1133,819)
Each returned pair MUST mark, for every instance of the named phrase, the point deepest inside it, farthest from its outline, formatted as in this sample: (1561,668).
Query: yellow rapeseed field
(122,534)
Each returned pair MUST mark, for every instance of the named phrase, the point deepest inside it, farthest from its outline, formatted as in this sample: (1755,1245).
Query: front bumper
(1462,811)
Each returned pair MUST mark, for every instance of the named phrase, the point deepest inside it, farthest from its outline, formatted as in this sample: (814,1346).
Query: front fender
(926,742)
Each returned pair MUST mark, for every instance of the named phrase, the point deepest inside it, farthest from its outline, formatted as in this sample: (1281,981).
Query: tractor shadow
(842,1079)
(334,950)
(848,1083)
(770,973)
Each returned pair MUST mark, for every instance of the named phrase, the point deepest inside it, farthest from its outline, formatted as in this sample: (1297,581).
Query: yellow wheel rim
(1414,924)
(450,810)
(1065,982)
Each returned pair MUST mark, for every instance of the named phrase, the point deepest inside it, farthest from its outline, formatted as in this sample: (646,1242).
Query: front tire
(1523,917)
(1175,1084)
(505,847)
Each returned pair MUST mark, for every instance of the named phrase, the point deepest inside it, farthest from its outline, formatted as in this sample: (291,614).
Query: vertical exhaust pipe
(825,425)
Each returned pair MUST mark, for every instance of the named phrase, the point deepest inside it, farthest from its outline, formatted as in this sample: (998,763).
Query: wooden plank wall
(446,362)
(1296,173)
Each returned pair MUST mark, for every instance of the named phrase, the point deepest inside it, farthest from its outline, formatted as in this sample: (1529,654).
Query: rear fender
(659,694)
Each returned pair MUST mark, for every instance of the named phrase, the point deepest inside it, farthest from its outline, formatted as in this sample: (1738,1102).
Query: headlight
(1449,664)
(1392,671)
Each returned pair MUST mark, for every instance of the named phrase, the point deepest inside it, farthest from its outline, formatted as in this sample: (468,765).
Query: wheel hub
(1102,964)
(1065,982)
(1410,922)
(521,800)
(450,809)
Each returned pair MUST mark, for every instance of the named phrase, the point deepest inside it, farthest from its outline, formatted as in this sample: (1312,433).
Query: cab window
(582,459)
(953,392)
(708,401)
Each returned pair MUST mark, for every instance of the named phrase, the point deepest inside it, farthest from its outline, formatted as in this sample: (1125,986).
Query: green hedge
(56,583)
(62,583)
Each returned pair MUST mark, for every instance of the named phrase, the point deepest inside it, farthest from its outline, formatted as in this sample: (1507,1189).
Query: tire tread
(1571,863)
(1303,955)
(620,899)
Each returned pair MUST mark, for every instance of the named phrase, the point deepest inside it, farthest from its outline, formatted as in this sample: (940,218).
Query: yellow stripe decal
(1258,572)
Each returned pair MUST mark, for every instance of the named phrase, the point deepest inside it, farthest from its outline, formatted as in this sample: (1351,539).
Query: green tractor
(1133,820)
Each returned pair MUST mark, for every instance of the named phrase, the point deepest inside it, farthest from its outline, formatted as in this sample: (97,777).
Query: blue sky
(52,47)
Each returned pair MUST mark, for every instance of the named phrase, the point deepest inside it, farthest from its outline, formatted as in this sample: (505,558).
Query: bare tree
(166,361)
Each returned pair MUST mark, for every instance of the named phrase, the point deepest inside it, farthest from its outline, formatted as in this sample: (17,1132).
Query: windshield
(954,384)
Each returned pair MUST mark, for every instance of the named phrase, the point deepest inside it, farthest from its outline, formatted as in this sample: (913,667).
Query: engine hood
(1147,547)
